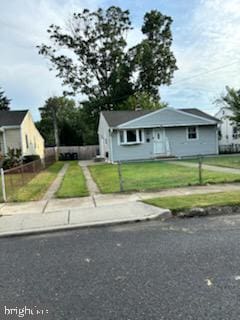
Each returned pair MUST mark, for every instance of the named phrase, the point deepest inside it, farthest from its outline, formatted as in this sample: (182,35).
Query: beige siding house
(18,131)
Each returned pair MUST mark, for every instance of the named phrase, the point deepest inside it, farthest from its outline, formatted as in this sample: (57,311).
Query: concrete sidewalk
(78,218)
(99,200)
(99,209)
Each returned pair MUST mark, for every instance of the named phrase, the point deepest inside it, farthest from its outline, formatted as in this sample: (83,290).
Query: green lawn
(179,203)
(222,161)
(35,189)
(152,175)
(73,184)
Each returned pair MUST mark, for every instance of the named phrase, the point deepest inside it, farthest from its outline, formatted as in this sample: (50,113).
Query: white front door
(159,141)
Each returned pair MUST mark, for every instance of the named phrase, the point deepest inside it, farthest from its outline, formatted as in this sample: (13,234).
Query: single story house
(229,133)
(136,135)
(18,131)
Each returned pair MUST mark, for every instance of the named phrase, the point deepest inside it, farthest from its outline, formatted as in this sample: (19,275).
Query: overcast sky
(206,43)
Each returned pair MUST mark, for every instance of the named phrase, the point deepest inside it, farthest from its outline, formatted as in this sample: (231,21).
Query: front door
(159,143)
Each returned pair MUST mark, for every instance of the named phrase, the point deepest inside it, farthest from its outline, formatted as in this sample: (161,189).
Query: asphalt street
(180,269)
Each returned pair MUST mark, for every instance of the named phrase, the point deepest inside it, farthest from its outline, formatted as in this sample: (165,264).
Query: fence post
(200,170)
(120,176)
(3,186)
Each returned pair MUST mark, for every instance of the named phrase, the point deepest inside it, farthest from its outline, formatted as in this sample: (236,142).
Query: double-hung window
(131,136)
(192,133)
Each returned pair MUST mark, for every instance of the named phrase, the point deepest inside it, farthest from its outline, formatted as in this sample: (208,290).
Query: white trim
(163,141)
(138,141)
(5,142)
(208,121)
(166,126)
(11,127)
(197,133)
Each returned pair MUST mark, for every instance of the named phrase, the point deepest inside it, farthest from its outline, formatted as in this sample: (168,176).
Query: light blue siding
(206,143)
(132,152)
(179,144)
(166,117)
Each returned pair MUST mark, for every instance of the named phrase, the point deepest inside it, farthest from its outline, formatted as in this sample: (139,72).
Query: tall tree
(92,57)
(67,119)
(231,100)
(4,101)
(155,62)
(100,67)
(97,62)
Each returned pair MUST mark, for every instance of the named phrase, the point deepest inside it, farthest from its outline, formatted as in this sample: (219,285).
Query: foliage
(142,100)
(153,57)
(68,118)
(92,57)
(4,101)
(231,100)
(12,158)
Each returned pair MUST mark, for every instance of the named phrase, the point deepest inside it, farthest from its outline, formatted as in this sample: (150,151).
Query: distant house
(18,131)
(228,130)
(135,135)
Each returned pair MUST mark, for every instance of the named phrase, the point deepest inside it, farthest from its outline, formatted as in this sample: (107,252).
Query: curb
(157,216)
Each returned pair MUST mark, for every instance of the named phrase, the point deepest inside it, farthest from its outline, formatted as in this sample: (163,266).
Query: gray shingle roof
(115,118)
(199,113)
(12,118)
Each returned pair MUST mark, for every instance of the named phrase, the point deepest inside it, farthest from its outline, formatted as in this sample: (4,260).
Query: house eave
(164,126)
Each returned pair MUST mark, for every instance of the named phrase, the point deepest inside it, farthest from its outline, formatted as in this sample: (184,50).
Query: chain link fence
(170,173)
(15,178)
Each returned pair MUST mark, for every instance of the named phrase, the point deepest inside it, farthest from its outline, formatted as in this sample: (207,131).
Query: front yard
(35,189)
(222,161)
(153,176)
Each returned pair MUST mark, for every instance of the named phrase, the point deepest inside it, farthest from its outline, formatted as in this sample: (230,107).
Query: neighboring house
(18,131)
(228,131)
(135,135)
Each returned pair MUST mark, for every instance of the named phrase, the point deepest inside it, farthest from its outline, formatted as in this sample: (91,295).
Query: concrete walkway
(91,185)
(56,183)
(207,167)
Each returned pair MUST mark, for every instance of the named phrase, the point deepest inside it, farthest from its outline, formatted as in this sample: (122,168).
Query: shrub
(12,159)
(30,158)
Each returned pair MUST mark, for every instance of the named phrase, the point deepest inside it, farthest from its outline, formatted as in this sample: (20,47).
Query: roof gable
(12,118)
(169,117)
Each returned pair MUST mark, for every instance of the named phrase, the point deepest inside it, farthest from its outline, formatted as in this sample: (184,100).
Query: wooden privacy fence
(80,152)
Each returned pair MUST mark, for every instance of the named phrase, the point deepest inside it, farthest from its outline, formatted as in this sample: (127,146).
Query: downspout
(111,147)
(4,142)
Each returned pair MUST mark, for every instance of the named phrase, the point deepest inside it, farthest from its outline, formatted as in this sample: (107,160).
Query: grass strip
(73,184)
(178,203)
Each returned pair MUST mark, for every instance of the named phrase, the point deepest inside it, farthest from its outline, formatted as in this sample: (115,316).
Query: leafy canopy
(92,56)
(231,100)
